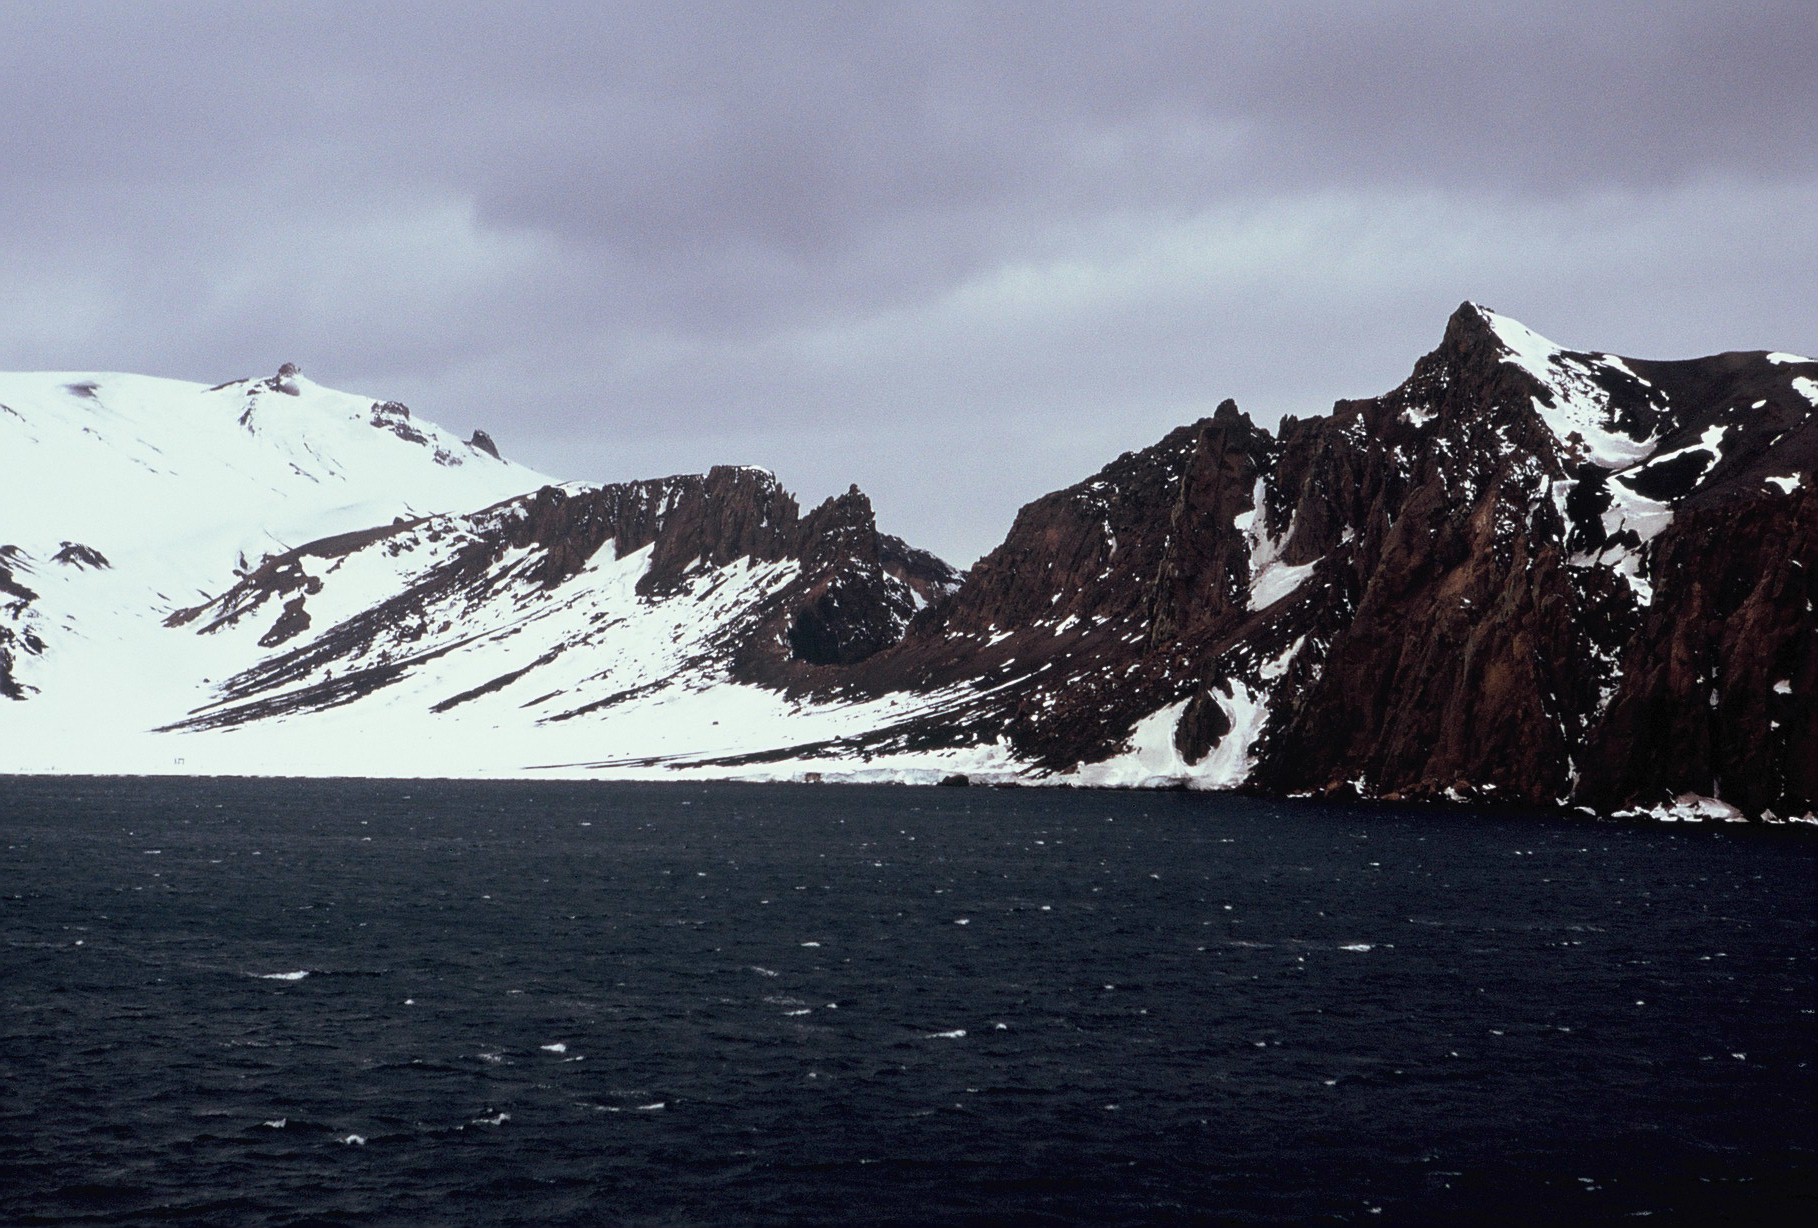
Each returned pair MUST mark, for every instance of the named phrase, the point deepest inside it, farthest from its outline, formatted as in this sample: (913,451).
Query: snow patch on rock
(1270,578)
(1579,414)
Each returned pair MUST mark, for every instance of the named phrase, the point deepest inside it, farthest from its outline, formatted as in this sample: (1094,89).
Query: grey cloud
(860,241)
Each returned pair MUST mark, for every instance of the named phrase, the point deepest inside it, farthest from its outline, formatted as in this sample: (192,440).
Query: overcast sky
(960,254)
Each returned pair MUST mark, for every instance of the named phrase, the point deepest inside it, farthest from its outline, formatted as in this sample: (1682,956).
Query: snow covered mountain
(123,497)
(1528,573)
(178,561)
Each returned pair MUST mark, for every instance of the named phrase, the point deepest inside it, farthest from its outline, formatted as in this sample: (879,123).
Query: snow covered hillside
(125,497)
(1528,573)
(270,576)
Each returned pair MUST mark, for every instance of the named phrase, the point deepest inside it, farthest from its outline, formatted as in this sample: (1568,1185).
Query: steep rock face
(1717,685)
(1093,610)
(821,594)
(1455,666)
(847,608)
(929,577)
(1512,590)
(1527,574)
(731,513)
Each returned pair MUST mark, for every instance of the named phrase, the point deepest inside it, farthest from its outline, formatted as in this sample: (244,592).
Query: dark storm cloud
(890,243)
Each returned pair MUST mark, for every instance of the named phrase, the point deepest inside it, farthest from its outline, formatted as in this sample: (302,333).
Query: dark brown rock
(835,601)
(1423,595)
(1458,634)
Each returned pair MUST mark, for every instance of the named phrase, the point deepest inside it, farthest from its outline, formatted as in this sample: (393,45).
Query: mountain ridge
(1493,582)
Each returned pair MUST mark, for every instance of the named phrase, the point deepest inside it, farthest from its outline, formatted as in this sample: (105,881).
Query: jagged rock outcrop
(17,635)
(1526,574)
(1083,620)
(1717,683)
(833,601)
(1516,578)
(394,416)
(75,554)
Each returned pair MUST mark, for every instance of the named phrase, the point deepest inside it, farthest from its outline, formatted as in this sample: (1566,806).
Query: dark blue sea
(356,1002)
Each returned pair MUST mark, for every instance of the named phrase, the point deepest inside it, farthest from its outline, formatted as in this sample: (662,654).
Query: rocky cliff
(1527,574)
(833,591)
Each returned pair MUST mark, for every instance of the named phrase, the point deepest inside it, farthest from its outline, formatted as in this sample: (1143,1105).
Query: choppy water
(361,1002)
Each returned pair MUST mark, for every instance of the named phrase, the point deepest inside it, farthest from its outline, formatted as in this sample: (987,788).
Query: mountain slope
(126,495)
(563,603)
(1497,580)
(287,578)
(1527,574)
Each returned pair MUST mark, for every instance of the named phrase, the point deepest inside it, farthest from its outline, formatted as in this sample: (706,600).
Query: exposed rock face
(835,602)
(1717,685)
(394,416)
(17,635)
(480,441)
(285,380)
(75,554)
(1536,622)
(928,576)
(733,512)
(1084,619)
(11,559)
(847,609)
(1525,574)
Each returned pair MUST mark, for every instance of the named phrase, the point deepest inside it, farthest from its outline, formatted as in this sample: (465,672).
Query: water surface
(281,1002)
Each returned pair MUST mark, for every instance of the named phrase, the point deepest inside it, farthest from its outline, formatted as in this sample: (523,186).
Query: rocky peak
(1219,508)
(1228,415)
(928,576)
(285,380)
(1470,329)
(1090,551)
(735,511)
(843,529)
(394,416)
(846,607)
(1484,365)
(482,442)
